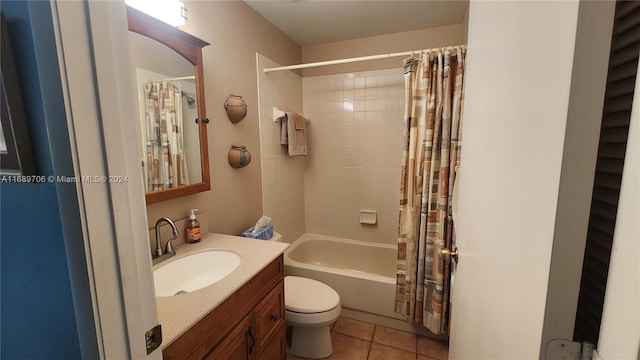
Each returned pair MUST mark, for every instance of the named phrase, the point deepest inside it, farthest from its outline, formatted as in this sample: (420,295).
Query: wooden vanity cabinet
(249,325)
(236,345)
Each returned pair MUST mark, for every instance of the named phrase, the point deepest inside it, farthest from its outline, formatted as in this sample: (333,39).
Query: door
(99,100)
(518,81)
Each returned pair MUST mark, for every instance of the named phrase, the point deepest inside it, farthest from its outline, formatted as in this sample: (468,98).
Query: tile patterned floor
(357,340)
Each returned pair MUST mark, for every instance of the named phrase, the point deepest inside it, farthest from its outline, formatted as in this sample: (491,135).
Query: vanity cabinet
(248,325)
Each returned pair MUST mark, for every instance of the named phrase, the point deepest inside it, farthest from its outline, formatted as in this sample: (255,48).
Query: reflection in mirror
(167,63)
(167,110)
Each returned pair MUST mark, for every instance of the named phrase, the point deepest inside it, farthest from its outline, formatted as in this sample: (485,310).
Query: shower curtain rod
(192,77)
(356,59)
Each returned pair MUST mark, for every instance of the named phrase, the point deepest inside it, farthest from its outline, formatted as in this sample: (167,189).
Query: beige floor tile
(395,338)
(291,357)
(422,357)
(382,352)
(348,348)
(433,348)
(355,328)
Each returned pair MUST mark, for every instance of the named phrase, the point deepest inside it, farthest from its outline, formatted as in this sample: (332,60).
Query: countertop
(177,314)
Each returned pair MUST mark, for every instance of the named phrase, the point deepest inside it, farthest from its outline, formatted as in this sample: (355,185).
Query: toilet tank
(276,237)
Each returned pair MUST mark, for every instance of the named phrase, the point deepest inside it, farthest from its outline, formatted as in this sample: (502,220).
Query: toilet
(310,308)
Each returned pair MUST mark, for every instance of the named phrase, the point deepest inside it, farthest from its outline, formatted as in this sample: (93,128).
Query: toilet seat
(315,319)
(308,296)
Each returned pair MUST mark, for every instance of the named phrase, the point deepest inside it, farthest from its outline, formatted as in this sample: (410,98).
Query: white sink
(193,272)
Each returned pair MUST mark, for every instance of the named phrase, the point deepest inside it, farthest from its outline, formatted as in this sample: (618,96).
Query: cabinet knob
(273,317)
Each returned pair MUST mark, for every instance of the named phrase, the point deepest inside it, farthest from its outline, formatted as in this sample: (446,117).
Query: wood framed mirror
(167,64)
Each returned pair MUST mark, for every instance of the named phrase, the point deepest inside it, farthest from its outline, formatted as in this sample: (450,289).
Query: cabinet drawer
(269,316)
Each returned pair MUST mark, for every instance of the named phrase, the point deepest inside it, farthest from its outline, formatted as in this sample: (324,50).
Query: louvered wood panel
(621,79)
(602,209)
(614,135)
(623,8)
(608,150)
(623,87)
(617,119)
(623,71)
(606,196)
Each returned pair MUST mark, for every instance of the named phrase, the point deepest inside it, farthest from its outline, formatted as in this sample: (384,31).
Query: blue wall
(38,319)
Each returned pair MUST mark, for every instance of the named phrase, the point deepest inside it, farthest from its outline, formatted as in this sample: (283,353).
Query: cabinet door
(269,315)
(238,345)
(276,349)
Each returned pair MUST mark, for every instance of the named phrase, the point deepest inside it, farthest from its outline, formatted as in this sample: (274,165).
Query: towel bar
(277,114)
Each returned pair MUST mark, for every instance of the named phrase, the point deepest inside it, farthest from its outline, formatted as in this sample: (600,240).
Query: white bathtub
(363,273)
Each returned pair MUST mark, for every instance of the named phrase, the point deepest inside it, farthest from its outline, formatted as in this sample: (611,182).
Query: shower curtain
(431,152)
(166,166)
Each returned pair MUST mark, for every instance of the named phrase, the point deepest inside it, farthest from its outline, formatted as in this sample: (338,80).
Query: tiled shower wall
(355,148)
(282,176)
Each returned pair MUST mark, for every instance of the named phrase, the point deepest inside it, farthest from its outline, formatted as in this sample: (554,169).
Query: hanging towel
(284,137)
(295,139)
(299,120)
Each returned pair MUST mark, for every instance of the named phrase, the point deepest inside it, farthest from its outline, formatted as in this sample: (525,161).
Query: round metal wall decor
(239,156)
(236,108)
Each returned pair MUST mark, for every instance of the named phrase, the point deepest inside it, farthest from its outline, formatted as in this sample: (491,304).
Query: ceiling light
(170,11)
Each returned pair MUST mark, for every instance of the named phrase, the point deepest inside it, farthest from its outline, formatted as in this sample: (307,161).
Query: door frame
(98,89)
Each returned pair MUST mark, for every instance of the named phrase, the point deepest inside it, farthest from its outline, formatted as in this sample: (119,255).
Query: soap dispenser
(193,228)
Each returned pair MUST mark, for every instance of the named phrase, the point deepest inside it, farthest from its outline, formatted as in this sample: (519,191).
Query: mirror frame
(190,47)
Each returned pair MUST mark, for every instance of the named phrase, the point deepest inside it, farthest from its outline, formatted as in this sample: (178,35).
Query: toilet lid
(308,296)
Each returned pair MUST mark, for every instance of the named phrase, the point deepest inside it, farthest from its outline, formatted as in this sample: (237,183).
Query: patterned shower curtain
(433,93)
(165,155)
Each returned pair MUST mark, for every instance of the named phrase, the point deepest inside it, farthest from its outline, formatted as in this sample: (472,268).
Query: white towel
(295,139)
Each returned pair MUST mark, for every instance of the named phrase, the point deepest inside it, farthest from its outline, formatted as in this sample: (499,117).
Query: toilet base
(310,342)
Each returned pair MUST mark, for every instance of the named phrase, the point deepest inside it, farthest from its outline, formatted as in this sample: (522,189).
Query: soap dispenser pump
(193,228)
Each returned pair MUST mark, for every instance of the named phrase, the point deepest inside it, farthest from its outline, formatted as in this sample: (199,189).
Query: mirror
(167,64)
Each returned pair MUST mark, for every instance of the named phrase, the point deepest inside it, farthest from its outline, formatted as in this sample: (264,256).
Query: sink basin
(193,272)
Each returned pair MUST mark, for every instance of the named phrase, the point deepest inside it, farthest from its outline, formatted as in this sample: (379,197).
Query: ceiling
(310,22)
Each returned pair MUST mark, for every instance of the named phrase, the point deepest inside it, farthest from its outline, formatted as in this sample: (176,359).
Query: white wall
(448,35)
(620,328)
(236,32)
(517,89)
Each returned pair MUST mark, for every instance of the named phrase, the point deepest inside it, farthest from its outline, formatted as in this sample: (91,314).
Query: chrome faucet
(168,252)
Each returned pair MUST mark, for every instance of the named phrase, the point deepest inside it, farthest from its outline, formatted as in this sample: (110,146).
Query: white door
(519,94)
(517,88)
(99,96)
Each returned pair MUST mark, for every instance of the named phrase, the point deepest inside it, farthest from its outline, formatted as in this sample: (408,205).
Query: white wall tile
(355,142)
(283,184)
(355,162)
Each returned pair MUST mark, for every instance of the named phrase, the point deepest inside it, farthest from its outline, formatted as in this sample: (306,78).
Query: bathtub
(363,273)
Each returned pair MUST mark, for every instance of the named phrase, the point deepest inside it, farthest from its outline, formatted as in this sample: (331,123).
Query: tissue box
(265,233)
